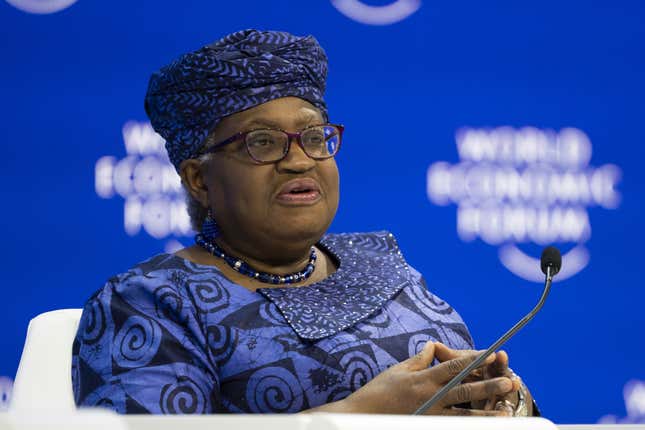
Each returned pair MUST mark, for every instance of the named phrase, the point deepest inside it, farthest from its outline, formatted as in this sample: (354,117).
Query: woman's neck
(281,261)
(325,266)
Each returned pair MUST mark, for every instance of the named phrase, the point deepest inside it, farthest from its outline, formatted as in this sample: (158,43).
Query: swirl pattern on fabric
(95,327)
(187,98)
(169,304)
(184,396)
(137,342)
(209,295)
(417,342)
(179,337)
(221,343)
(360,368)
(274,390)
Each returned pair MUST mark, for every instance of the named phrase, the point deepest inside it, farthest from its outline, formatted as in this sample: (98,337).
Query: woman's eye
(259,141)
(315,139)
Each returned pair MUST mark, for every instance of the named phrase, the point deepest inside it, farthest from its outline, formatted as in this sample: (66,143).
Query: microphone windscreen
(551,257)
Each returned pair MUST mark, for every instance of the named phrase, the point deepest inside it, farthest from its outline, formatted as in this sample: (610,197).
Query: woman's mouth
(299,192)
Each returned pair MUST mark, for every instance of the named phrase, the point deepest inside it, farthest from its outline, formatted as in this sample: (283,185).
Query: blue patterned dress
(171,336)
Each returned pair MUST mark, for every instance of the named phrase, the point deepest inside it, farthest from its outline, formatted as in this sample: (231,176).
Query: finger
(445,353)
(447,370)
(517,382)
(423,359)
(476,375)
(453,411)
(490,404)
(481,390)
(472,378)
(512,396)
(500,366)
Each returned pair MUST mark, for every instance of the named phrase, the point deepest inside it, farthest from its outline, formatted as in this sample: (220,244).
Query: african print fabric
(171,336)
(189,97)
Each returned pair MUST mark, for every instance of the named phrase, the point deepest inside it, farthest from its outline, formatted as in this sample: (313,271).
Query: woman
(267,313)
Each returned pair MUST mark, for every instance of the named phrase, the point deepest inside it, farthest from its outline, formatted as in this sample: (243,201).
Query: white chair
(43,398)
(44,377)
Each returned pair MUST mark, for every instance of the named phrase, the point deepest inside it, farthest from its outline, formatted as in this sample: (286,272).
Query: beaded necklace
(245,269)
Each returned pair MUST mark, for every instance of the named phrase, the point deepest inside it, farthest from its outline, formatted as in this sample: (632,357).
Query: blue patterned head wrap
(189,97)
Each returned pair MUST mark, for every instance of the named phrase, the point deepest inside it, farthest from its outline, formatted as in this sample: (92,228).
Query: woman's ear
(192,176)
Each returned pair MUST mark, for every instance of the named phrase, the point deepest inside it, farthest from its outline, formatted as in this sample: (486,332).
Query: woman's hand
(492,370)
(403,388)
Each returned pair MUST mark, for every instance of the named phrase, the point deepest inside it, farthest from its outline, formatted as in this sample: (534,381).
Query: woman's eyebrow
(262,122)
(301,121)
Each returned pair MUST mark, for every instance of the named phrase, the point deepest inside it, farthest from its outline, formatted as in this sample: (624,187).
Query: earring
(210,229)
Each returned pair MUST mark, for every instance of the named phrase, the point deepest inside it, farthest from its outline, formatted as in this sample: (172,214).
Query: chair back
(44,377)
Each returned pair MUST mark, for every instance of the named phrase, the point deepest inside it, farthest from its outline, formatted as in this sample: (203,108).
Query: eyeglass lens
(270,145)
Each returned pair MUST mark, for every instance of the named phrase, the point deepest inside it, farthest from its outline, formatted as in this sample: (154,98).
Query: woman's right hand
(402,388)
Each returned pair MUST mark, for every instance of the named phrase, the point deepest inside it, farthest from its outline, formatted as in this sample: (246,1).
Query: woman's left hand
(497,368)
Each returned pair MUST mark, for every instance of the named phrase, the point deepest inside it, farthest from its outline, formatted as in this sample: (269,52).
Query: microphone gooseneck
(550,262)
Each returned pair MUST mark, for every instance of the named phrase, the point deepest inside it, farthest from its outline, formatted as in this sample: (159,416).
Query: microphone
(551,258)
(550,262)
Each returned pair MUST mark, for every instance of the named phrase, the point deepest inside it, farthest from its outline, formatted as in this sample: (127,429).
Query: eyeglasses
(269,145)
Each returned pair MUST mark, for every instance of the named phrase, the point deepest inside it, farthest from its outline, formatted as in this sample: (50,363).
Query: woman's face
(251,202)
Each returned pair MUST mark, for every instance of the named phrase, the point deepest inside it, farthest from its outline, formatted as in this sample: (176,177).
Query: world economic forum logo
(153,198)
(517,187)
(634,395)
(41,6)
(377,15)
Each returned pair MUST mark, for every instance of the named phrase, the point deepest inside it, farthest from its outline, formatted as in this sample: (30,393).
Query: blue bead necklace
(245,269)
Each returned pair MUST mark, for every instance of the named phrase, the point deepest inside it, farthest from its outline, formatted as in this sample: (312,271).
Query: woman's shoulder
(167,272)
(164,290)
(162,264)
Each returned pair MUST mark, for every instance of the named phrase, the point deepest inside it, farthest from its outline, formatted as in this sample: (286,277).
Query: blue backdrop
(462,117)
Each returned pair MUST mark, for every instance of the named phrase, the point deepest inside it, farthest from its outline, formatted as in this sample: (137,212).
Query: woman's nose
(296,159)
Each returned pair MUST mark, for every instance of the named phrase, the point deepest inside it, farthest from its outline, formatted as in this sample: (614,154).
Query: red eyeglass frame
(290,136)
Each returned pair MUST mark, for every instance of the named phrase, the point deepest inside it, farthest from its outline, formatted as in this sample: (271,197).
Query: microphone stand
(472,366)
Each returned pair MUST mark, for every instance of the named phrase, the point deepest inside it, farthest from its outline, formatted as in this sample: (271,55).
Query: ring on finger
(505,405)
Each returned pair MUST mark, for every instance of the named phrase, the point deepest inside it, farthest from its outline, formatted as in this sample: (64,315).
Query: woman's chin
(299,230)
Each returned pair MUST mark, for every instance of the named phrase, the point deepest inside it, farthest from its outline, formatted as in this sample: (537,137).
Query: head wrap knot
(189,97)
